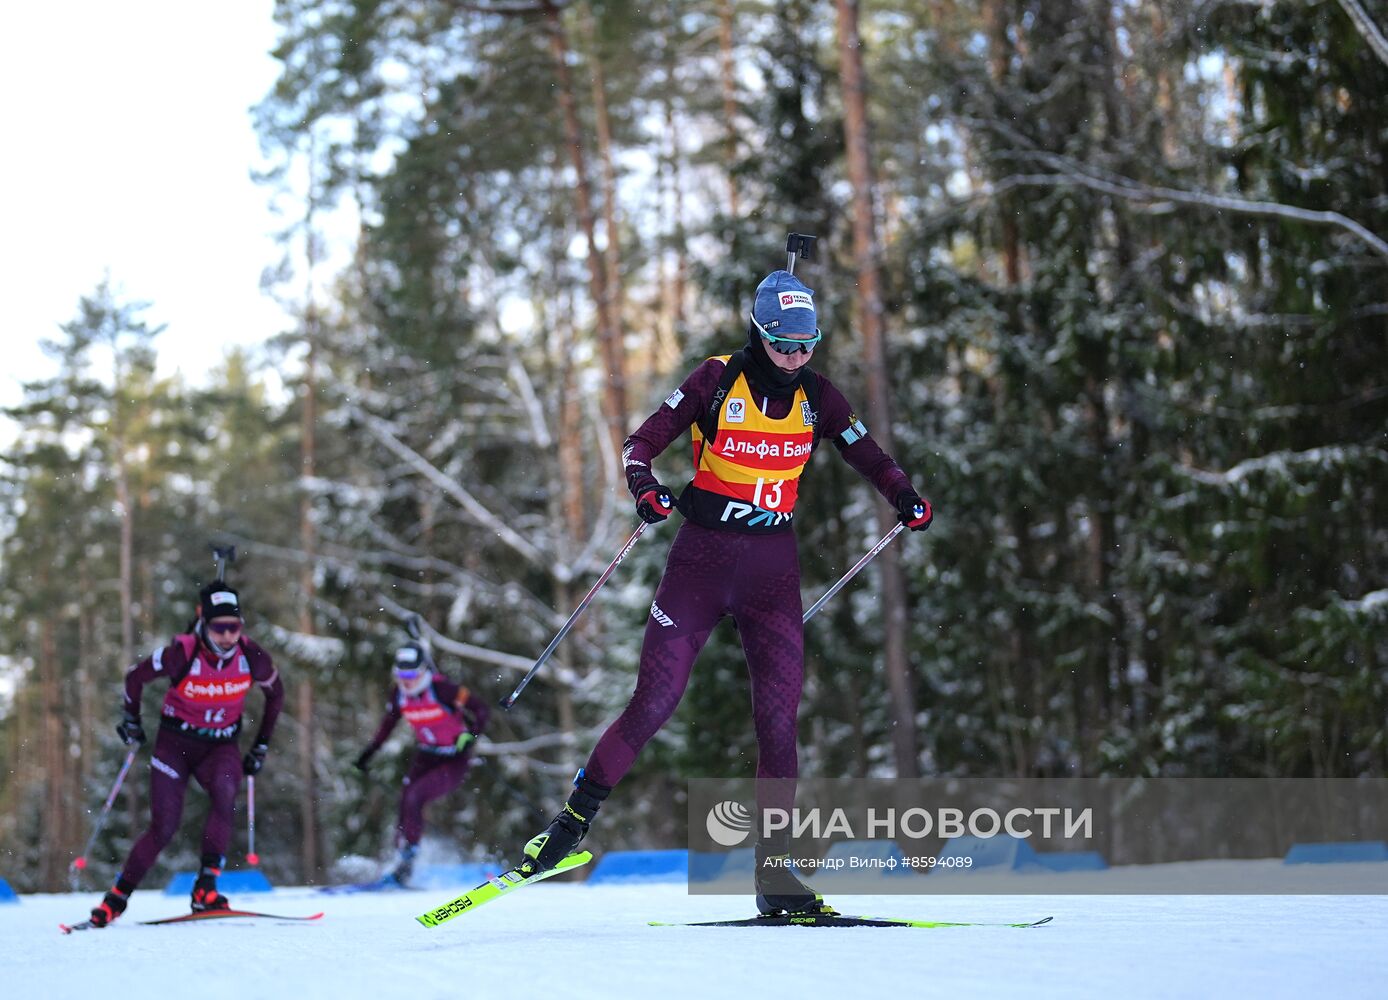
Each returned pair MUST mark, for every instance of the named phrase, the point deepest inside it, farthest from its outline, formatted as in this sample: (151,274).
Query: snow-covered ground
(573,941)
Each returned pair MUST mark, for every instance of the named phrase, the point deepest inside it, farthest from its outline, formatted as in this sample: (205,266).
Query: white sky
(128,147)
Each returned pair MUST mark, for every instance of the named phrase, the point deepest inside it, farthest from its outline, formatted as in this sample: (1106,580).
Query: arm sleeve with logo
(674,416)
(840,424)
(166,663)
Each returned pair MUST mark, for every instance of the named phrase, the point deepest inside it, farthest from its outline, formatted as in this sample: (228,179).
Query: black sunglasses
(788,345)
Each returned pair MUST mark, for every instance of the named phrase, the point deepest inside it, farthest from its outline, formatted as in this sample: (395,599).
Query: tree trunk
(1023,639)
(88,671)
(612,254)
(728,82)
(54,747)
(308,781)
(900,679)
(609,338)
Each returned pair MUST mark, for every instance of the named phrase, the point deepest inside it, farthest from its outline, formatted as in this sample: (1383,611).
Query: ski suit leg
(692,596)
(430,777)
(219,773)
(168,783)
(768,610)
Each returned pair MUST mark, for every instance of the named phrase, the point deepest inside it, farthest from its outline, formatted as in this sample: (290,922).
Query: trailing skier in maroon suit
(210,670)
(446,718)
(756,416)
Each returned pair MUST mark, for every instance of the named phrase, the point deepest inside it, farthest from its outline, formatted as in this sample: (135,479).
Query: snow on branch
(1366,27)
(1161,198)
(534,411)
(1366,610)
(525,747)
(522,7)
(320,650)
(481,654)
(452,488)
(1282,463)
(1372,602)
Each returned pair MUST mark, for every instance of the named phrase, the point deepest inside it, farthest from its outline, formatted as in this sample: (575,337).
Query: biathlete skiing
(755,415)
(210,669)
(446,718)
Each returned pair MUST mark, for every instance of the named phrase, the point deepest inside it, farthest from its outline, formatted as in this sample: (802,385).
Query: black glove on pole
(130,730)
(654,504)
(255,758)
(913,511)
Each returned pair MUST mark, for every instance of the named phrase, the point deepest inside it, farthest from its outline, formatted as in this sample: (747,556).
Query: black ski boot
(205,894)
(404,868)
(779,889)
(562,837)
(112,904)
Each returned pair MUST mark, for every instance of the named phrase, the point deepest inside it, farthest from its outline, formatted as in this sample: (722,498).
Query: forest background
(1109,279)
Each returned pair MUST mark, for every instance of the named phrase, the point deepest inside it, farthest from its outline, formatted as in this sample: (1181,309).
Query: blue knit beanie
(784,305)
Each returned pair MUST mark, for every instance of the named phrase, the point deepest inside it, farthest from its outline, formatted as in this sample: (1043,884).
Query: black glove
(653,503)
(130,730)
(913,511)
(255,758)
(363,761)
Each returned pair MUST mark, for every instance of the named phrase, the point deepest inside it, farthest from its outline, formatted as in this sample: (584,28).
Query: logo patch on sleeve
(855,431)
(796,300)
(673,400)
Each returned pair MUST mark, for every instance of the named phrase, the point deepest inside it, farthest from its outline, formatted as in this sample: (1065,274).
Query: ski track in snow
(576,941)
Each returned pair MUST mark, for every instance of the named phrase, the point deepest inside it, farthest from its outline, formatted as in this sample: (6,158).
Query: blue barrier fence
(618,867)
(716,866)
(464,874)
(252,880)
(1072,861)
(1337,852)
(1005,853)
(874,857)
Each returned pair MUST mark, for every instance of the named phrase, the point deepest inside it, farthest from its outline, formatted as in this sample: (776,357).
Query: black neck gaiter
(762,371)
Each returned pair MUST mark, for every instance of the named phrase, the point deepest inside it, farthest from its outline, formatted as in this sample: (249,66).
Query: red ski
(186,917)
(222,914)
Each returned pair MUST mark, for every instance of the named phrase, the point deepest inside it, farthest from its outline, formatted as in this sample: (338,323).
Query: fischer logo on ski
(495,887)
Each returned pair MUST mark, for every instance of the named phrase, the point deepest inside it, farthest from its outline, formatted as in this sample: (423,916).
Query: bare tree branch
(539,427)
(481,654)
(1070,172)
(1161,198)
(521,9)
(452,488)
(1290,465)
(1366,27)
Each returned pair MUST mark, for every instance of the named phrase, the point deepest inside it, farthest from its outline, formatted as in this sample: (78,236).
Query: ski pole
(80,862)
(872,552)
(252,858)
(510,699)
